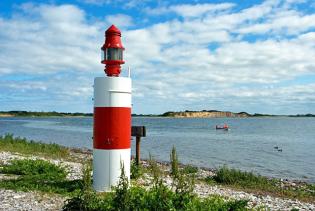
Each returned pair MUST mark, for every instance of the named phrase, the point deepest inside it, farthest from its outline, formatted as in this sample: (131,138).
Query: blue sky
(254,56)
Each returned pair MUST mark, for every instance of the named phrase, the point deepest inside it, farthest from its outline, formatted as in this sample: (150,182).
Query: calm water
(249,145)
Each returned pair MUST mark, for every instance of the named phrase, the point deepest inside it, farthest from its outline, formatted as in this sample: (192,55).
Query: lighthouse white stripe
(112,92)
(107,168)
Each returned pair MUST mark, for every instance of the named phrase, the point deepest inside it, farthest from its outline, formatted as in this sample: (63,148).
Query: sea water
(249,145)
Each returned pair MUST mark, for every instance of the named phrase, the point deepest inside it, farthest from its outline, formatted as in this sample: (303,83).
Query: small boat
(224,127)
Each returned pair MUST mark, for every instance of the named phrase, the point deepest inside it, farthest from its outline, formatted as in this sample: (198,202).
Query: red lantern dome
(112,51)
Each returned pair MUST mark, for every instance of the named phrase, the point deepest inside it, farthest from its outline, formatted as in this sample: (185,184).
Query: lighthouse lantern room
(112,51)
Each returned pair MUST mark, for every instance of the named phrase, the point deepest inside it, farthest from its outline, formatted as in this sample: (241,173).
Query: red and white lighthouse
(112,116)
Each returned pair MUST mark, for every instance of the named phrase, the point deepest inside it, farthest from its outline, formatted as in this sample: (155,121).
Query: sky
(252,56)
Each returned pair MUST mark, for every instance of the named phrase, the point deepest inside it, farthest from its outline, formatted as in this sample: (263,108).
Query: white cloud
(307,39)
(120,20)
(285,22)
(203,59)
(189,73)
(54,38)
(26,86)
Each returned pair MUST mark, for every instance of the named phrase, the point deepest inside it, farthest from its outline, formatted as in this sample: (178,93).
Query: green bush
(159,197)
(86,177)
(244,179)
(121,200)
(21,145)
(182,183)
(138,198)
(155,172)
(256,183)
(35,168)
(63,187)
(136,171)
(89,201)
(38,175)
(215,203)
(189,169)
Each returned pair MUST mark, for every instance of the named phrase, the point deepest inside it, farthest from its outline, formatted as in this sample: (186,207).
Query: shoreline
(169,114)
(89,152)
(44,201)
(77,157)
(211,171)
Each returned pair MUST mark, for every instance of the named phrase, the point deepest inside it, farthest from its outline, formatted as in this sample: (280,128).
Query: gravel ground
(265,202)
(255,201)
(74,168)
(11,200)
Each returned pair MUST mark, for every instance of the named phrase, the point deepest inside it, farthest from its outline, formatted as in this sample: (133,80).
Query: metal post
(138,132)
(138,139)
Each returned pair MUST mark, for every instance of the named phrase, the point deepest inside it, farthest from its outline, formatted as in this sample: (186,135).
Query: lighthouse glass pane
(103,55)
(113,54)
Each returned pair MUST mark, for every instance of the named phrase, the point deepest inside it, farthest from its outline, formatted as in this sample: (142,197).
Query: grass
(21,145)
(243,179)
(41,175)
(63,187)
(136,170)
(157,197)
(189,169)
(38,175)
(137,198)
(34,168)
(250,182)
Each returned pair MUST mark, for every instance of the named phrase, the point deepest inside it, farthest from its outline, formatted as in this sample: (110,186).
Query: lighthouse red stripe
(112,128)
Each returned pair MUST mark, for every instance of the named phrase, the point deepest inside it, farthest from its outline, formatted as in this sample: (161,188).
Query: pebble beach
(17,200)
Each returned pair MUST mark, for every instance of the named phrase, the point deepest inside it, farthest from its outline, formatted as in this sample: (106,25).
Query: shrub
(121,200)
(183,184)
(257,183)
(24,146)
(214,203)
(35,168)
(236,177)
(189,169)
(155,171)
(135,170)
(86,177)
(39,175)
(158,197)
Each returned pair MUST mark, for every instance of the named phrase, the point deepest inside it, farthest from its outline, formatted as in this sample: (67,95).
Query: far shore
(6,115)
(169,114)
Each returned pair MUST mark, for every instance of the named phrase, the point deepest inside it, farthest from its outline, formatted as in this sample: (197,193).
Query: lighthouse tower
(112,117)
